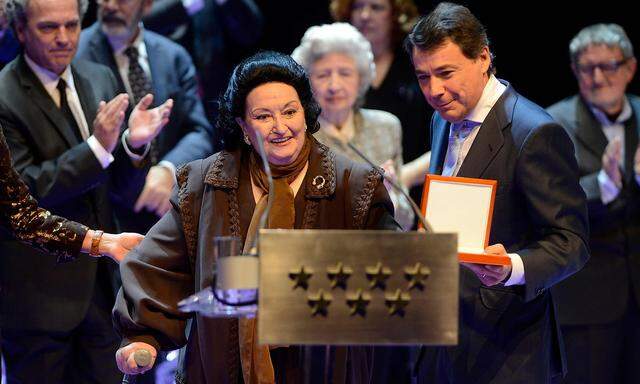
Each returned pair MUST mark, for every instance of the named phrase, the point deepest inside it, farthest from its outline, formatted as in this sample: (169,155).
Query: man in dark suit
(65,142)
(484,129)
(138,56)
(599,306)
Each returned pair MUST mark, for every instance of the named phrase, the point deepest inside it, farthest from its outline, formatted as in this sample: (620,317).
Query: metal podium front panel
(335,287)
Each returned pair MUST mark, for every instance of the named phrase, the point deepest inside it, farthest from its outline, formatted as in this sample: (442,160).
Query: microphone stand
(425,225)
(396,186)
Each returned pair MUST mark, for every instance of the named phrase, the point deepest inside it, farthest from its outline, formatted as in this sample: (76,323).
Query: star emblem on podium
(416,275)
(339,275)
(397,302)
(378,275)
(358,303)
(300,277)
(319,302)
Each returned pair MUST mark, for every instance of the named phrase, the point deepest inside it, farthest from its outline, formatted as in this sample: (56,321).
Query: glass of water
(234,292)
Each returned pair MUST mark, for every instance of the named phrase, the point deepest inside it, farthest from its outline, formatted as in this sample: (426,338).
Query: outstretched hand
(117,246)
(145,124)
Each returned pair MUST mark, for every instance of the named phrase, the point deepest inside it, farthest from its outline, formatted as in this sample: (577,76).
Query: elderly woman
(268,99)
(340,65)
(385,23)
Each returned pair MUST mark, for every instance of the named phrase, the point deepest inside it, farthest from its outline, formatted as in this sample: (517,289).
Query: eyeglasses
(607,69)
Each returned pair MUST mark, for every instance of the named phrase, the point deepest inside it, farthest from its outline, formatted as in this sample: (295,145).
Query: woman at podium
(268,103)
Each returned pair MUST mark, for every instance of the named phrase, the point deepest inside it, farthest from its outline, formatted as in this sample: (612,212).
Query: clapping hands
(145,124)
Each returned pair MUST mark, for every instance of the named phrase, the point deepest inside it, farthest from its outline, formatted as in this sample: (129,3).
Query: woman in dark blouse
(21,216)
(394,89)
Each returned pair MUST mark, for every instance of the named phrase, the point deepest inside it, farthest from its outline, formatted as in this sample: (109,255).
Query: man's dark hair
(261,68)
(16,11)
(453,22)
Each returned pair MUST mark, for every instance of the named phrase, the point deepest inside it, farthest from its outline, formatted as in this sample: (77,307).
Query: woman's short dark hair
(261,68)
(453,22)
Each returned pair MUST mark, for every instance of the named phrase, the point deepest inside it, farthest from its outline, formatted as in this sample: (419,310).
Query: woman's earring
(246,139)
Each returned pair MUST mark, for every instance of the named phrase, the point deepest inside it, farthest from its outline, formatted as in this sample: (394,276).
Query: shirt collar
(490,95)
(49,79)
(621,119)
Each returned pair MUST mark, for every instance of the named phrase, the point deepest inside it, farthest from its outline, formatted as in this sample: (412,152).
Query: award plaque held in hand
(464,206)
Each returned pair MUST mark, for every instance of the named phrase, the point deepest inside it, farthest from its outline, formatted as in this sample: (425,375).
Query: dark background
(530,39)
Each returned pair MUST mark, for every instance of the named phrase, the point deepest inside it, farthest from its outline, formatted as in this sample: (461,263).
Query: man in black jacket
(484,129)
(598,306)
(66,144)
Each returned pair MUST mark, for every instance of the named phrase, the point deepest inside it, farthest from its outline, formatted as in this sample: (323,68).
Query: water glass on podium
(234,292)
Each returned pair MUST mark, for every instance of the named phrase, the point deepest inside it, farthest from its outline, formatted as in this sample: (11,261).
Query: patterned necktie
(453,159)
(140,86)
(138,80)
(66,111)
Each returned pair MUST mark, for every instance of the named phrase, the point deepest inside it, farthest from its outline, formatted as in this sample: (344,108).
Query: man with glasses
(598,306)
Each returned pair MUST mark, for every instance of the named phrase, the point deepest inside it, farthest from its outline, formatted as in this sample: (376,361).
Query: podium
(347,287)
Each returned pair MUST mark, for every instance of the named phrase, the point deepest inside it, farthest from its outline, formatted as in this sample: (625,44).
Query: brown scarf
(257,367)
(282,214)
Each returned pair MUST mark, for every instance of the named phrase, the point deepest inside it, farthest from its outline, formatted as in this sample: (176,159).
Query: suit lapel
(41,98)
(156,61)
(440,142)
(102,53)
(87,97)
(588,130)
(631,139)
(489,139)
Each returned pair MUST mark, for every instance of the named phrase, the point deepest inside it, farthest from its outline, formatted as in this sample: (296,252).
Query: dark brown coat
(215,198)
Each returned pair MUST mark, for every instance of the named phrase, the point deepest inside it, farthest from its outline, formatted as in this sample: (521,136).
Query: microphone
(267,170)
(397,187)
(143,358)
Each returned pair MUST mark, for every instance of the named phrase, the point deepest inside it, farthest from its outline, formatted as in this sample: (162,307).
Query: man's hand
(117,246)
(491,275)
(611,160)
(145,123)
(157,191)
(126,362)
(109,118)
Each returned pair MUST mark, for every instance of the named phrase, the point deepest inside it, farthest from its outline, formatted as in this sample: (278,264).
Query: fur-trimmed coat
(214,198)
